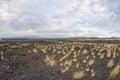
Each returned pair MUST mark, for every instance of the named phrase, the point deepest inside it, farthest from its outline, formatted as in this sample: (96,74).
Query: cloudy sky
(60,18)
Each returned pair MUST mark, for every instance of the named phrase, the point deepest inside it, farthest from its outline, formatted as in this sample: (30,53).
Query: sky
(59,18)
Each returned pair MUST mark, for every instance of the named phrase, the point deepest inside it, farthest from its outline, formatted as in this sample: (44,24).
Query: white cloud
(54,18)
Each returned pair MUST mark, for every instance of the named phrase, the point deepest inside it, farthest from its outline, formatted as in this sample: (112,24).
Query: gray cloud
(59,18)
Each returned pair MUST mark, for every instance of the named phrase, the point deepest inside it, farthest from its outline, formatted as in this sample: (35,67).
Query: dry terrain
(60,59)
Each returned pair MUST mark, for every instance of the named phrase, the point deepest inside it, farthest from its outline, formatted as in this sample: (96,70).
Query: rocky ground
(24,61)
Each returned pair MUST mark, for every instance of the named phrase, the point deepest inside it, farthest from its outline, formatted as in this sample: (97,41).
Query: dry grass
(1,56)
(84,61)
(78,75)
(64,57)
(87,69)
(91,62)
(66,69)
(85,51)
(77,65)
(93,74)
(108,55)
(74,56)
(35,50)
(50,61)
(101,56)
(110,63)
(115,71)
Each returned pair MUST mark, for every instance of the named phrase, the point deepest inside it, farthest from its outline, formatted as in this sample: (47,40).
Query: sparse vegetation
(115,71)
(78,75)
(110,63)
(65,59)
